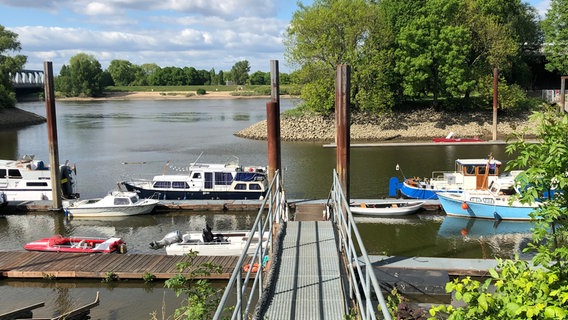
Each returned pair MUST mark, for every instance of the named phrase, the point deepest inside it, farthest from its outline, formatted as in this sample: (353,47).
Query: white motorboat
(386,208)
(206,243)
(205,181)
(28,179)
(115,204)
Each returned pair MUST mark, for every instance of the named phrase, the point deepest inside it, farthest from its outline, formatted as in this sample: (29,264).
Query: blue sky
(203,34)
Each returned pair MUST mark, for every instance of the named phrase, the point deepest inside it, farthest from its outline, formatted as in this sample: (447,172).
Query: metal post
(52,135)
(342,125)
(495,101)
(563,93)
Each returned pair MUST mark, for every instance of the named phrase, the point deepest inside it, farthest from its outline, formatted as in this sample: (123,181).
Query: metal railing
(238,287)
(363,284)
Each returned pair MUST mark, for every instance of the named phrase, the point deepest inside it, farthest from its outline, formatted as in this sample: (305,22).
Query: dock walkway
(308,284)
(46,265)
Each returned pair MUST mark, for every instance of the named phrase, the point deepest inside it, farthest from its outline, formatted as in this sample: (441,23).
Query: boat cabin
(472,173)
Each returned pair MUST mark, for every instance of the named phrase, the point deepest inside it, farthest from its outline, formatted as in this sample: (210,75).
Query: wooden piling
(342,125)
(273,122)
(52,135)
(495,101)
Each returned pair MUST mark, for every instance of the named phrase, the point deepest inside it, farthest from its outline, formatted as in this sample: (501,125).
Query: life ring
(248,267)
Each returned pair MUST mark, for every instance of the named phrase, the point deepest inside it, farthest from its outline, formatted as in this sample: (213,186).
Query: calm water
(112,140)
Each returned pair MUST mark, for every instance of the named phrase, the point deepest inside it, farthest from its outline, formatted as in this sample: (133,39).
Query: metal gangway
(314,269)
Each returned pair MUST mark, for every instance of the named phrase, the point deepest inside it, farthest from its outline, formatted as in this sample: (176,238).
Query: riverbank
(410,126)
(18,118)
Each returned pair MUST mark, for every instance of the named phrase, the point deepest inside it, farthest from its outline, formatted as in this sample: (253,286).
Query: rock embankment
(16,118)
(418,125)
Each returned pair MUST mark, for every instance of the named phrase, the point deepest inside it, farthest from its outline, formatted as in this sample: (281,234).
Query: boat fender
(465,206)
(248,267)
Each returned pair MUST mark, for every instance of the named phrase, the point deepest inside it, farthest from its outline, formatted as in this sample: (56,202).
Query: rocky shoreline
(415,126)
(18,118)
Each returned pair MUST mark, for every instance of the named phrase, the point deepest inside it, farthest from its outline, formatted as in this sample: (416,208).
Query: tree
(239,72)
(9,65)
(122,72)
(259,78)
(81,78)
(556,36)
(321,37)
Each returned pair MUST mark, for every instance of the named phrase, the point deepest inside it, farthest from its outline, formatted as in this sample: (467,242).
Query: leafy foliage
(556,36)
(9,65)
(82,78)
(202,298)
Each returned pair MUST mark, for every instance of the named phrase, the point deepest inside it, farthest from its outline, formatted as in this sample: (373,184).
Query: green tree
(239,72)
(122,72)
(556,36)
(321,37)
(9,65)
(259,78)
(81,78)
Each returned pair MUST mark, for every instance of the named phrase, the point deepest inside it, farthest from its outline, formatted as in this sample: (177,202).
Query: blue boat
(468,174)
(493,203)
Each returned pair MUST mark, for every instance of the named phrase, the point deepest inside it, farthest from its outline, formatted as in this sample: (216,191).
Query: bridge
(26,79)
(309,269)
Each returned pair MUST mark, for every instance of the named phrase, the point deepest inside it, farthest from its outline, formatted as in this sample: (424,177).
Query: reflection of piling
(273,122)
(52,134)
(563,93)
(342,125)
(495,101)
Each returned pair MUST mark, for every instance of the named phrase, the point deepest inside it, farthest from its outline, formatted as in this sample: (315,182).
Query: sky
(204,34)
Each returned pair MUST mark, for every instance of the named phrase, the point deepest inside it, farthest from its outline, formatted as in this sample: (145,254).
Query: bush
(201,91)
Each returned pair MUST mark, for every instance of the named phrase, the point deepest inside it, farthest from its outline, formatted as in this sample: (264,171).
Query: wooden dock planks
(98,266)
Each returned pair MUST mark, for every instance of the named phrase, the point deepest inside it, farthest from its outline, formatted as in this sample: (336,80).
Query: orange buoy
(248,267)
(464,232)
(465,206)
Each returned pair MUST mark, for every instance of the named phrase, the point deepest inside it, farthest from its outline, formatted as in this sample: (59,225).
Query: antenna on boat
(165,167)
(397,168)
(194,162)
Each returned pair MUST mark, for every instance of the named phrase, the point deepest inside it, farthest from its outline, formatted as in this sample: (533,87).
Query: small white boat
(387,208)
(206,243)
(115,204)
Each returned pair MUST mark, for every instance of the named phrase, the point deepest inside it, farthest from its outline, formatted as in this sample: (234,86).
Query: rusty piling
(342,125)
(52,135)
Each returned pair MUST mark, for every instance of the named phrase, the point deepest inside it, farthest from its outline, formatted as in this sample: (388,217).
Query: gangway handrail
(337,209)
(237,287)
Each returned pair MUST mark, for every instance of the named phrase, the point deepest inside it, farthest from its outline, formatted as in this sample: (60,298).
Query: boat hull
(195,195)
(387,209)
(454,205)
(77,245)
(111,212)
(233,246)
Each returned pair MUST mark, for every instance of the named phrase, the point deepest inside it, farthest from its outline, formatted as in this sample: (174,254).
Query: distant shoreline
(161,95)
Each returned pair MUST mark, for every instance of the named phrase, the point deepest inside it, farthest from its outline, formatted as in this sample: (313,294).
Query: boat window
(162,184)
(254,186)
(481,169)
(223,178)
(196,175)
(36,184)
(488,200)
(180,185)
(240,186)
(121,201)
(469,169)
(2,173)
(475,199)
(134,199)
(14,174)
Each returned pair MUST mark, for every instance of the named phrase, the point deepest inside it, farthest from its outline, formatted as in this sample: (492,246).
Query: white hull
(116,204)
(233,247)
(387,209)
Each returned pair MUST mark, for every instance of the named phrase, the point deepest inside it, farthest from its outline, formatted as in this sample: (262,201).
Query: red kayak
(77,245)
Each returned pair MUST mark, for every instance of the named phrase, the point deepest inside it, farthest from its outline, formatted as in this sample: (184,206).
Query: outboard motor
(172,237)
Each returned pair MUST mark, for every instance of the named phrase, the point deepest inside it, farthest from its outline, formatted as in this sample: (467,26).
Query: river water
(112,140)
